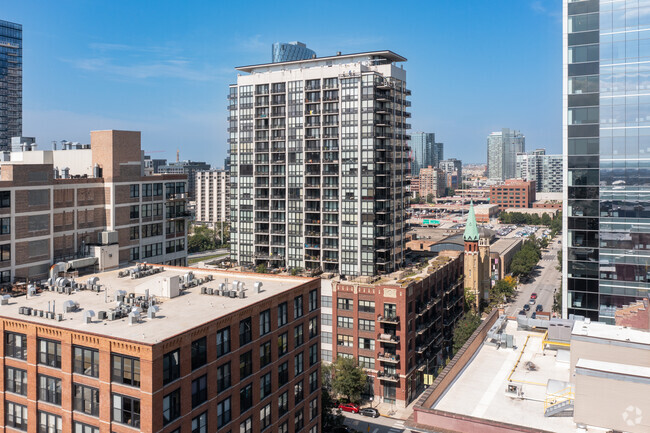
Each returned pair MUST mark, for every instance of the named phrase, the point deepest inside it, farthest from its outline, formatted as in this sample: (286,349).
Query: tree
(348,378)
(470,299)
(202,239)
(502,289)
(261,268)
(464,329)
(557,301)
(429,198)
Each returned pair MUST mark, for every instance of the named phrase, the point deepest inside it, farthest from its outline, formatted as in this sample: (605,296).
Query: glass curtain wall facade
(607,146)
(426,152)
(11,82)
(502,149)
(318,167)
(287,52)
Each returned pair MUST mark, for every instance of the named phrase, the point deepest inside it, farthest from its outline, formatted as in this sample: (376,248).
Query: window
(326,319)
(16,416)
(5,252)
(326,301)
(5,226)
(284,427)
(298,393)
(199,390)
(16,345)
(313,354)
(126,410)
(86,399)
(345,322)
(366,343)
(223,412)
(297,335)
(171,366)
(246,426)
(245,398)
(199,352)
(313,381)
(86,361)
(366,325)
(313,300)
(171,406)
(48,423)
(283,373)
(245,364)
(5,199)
(223,377)
(134,212)
(49,389)
(282,314)
(344,340)
(126,370)
(367,306)
(265,322)
(200,423)
(135,191)
(49,353)
(283,344)
(345,304)
(80,427)
(283,403)
(297,307)
(298,365)
(265,416)
(147,190)
(265,386)
(313,408)
(16,380)
(366,362)
(223,341)
(157,189)
(326,355)
(313,327)
(298,420)
(245,336)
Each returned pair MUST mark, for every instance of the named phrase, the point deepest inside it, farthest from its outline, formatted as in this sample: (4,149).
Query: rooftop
(479,390)
(175,315)
(504,244)
(386,54)
(610,332)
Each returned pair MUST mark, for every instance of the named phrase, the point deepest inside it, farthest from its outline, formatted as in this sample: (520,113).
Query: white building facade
(212,197)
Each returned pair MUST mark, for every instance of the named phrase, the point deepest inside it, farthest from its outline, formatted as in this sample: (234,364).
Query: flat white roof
(614,368)
(610,332)
(175,315)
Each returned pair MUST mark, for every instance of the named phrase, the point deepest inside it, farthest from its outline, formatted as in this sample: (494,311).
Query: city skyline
(151,78)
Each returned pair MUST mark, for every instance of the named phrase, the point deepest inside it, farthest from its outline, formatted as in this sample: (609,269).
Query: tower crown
(471,229)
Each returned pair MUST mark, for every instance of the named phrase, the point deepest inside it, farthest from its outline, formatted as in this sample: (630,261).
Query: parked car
(349,407)
(539,308)
(523,312)
(369,411)
(532,301)
(526,307)
(533,296)
(533,316)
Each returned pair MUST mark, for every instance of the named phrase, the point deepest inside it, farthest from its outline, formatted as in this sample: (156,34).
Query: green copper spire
(471,230)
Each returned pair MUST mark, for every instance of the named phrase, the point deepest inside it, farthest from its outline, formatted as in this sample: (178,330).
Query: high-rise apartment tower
(502,149)
(426,152)
(319,152)
(11,82)
(606,144)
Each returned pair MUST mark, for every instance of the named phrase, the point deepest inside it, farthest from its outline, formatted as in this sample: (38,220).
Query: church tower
(477,259)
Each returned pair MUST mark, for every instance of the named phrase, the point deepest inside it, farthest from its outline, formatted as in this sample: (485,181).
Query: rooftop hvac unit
(234,285)
(88,316)
(204,291)
(151,312)
(242,294)
(258,286)
(4,299)
(102,315)
(70,306)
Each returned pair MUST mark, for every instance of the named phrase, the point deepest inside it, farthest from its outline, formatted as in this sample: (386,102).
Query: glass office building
(290,51)
(426,152)
(11,82)
(607,146)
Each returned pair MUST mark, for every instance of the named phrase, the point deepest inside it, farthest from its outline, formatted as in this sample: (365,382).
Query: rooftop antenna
(178,155)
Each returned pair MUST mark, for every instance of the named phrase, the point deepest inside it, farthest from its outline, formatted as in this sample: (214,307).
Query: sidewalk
(391,411)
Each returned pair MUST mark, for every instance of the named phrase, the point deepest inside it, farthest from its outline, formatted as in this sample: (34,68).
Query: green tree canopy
(347,378)
(464,329)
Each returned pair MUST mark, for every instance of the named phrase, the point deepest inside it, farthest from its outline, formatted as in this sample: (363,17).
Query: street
(366,424)
(545,280)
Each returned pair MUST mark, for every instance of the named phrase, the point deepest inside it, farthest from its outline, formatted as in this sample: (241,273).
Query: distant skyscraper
(545,170)
(502,149)
(287,52)
(454,169)
(606,144)
(11,82)
(426,152)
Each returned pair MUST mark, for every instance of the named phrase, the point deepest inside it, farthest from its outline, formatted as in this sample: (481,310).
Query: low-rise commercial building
(90,206)
(486,212)
(514,193)
(167,350)
(398,327)
(501,254)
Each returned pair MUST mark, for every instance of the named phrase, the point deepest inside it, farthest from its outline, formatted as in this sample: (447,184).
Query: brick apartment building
(514,193)
(55,205)
(399,327)
(199,362)
(432,181)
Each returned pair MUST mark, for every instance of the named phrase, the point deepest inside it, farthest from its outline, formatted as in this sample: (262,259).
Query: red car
(349,407)
(533,296)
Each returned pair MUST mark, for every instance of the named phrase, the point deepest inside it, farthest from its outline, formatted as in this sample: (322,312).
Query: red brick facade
(515,193)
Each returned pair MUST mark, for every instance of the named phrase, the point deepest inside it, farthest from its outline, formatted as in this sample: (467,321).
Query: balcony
(391,358)
(388,377)
(388,338)
(393,319)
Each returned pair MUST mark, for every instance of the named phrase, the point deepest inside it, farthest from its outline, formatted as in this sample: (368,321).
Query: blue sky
(163,67)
